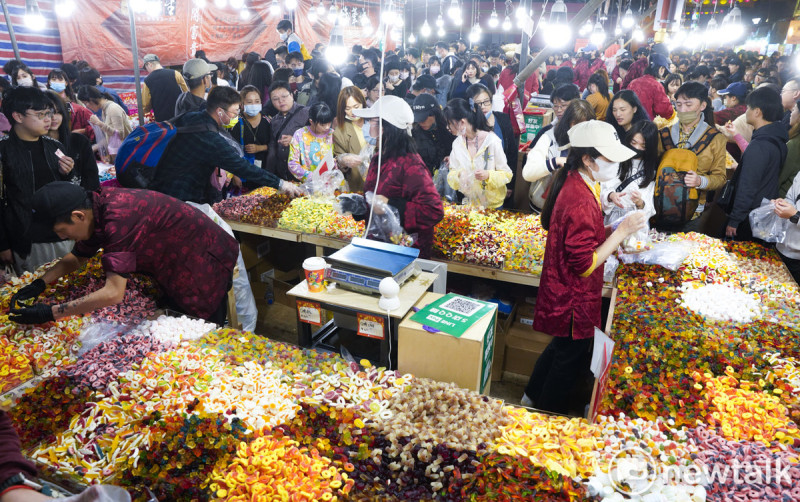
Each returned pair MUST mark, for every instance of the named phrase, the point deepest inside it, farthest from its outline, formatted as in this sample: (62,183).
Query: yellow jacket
(490,157)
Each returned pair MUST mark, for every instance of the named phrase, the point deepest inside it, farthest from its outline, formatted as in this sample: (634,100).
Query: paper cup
(315,274)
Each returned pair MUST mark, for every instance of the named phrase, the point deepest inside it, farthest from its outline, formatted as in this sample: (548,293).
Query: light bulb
(474,36)
(425,30)
(598,35)
(396,35)
(274,7)
(244,14)
(440,21)
(65,8)
(237,4)
(343,18)
(312,15)
(290,4)
(507,24)
(618,31)
(638,34)
(365,20)
(336,54)
(154,8)
(558,34)
(520,12)
(321,10)
(412,39)
(627,19)
(333,14)
(200,3)
(586,28)
(138,6)
(440,32)
(35,21)
(454,11)
(220,3)
(494,22)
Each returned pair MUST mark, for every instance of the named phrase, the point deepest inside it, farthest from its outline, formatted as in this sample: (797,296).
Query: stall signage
(453,314)
(309,312)
(371,326)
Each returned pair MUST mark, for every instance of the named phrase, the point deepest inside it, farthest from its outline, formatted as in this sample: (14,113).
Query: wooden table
(351,303)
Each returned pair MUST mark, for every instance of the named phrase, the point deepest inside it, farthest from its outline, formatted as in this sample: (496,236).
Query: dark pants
(793,266)
(557,370)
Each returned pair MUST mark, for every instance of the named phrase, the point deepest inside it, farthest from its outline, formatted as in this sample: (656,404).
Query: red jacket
(569,303)
(635,71)
(728,114)
(408,185)
(506,79)
(584,70)
(191,257)
(11,460)
(653,97)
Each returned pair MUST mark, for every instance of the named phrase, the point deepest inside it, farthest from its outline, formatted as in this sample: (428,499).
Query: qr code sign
(462,306)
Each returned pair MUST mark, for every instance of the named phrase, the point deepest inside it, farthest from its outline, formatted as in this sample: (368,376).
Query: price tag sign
(309,312)
(371,326)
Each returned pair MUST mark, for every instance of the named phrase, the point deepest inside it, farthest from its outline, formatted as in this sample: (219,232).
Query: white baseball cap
(602,137)
(392,109)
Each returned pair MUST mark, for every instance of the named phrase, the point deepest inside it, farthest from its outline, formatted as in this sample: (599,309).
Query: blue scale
(363,264)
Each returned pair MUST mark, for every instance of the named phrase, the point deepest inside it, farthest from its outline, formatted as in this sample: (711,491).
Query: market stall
(704,375)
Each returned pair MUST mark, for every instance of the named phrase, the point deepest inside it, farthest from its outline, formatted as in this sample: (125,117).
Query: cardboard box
(466,361)
(264,271)
(523,348)
(535,119)
(525,313)
(254,248)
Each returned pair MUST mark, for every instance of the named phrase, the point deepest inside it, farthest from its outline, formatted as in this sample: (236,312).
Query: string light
(274,7)
(627,19)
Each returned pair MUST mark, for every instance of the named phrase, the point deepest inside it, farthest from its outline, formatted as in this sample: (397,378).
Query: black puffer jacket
(16,191)
(433,145)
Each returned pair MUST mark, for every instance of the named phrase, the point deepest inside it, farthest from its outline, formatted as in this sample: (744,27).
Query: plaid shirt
(185,171)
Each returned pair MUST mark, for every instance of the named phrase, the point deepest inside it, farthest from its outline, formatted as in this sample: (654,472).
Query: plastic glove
(352,203)
(291,189)
(38,314)
(29,292)
(100,493)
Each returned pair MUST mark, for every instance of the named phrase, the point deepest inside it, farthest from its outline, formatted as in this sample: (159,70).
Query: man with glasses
(29,159)
(186,168)
(789,96)
(290,117)
(197,73)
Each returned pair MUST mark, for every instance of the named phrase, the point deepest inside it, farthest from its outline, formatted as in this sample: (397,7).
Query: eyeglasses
(46,114)
(487,102)
(558,108)
(282,97)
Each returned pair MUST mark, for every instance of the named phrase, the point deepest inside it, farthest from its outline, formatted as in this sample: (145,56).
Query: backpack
(675,203)
(141,152)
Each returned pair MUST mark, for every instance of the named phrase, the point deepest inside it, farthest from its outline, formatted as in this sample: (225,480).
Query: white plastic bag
(638,241)
(95,333)
(323,186)
(767,225)
(610,269)
(669,255)
(100,493)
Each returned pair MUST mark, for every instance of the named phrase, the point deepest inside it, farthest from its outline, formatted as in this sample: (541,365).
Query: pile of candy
(170,331)
(236,208)
(720,302)
(563,445)
(268,211)
(306,215)
(525,251)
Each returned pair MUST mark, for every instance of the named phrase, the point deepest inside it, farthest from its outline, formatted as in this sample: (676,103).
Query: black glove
(29,292)
(352,203)
(38,314)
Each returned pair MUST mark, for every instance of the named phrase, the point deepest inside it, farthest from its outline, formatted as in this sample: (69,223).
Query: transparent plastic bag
(669,255)
(385,225)
(114,142)
(767,225)
(474,194)
(323,186)
(100,493)
(96,333)
(638,241)
(442,186)
(610,269)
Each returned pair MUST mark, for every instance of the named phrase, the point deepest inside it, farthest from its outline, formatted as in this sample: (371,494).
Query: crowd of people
(448,122)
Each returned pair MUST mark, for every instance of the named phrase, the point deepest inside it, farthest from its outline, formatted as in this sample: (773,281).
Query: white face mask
(284,36)
(434,70)
(484,69)
(607,171)
(394,78)
(25,82)
(404,75)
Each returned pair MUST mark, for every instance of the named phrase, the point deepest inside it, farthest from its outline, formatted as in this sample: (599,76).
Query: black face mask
(639,153)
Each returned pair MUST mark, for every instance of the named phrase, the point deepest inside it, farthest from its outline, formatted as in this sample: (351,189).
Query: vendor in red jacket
(650,91)
(189,256)
(14,468)
(569,301)
(405,183)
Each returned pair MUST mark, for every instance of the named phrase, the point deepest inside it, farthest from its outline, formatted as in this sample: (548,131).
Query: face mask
(686,118)
(367,136)
(488,114)
(484,69)
(298,72)
(394,78)
(463,131)
(607,170)
(252,110)
(404,75)
(639,153)
(58,86)
(284,36)
(434,70)
(25,82)
(231,123)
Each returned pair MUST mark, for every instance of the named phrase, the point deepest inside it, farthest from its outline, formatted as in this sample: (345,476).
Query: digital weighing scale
(363,264)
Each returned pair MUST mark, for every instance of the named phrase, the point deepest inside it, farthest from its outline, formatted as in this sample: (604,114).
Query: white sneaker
(526,401)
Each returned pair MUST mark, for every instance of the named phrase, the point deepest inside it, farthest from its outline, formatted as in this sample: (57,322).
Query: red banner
(99,32)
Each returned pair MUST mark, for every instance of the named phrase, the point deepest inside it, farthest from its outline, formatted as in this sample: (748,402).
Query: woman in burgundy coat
(569,301)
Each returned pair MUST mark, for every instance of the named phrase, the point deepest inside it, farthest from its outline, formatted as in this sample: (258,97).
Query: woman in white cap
(569,301)
(405,182)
